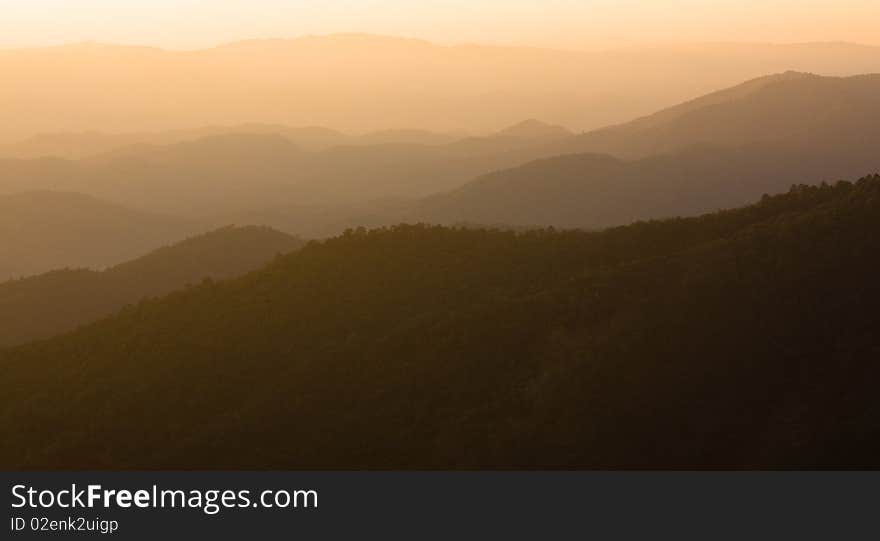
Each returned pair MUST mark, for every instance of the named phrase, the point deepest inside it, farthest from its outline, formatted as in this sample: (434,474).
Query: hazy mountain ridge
(536,129)
(711,153)
(84,145)
(773,108)
(41,231)
(737,338)
(231,173)
(716,151)
(354,83)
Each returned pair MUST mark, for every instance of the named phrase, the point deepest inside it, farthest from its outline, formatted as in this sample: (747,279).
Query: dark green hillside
(59,301)
(744,338)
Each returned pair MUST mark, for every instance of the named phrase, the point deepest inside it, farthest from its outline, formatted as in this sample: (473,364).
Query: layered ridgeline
(260,167)
(41,231)
(790,106)
(59,301)
(90,144)
(94,144)
(360,83)
(744,338)
(718,151)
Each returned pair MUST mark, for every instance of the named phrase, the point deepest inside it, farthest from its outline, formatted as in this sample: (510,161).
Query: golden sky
(549,23)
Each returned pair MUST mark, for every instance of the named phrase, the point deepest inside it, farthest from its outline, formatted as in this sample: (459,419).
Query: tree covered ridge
(59,301)
(743,338)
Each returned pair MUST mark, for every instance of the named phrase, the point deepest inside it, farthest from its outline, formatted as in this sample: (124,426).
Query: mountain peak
(534,128)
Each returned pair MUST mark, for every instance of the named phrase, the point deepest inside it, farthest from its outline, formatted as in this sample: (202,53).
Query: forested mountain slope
(745,338)
(61,300)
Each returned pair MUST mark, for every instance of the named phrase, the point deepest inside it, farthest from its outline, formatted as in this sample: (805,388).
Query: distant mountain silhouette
(717,151)
(75,146)
(231,173)
(194,178)
(714,152)
(41,231)
(532,128)
(401,136)
(739,339)
(61,300)
(361,83)
(784,107)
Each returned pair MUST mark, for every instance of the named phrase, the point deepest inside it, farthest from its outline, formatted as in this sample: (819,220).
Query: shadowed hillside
(59,301)
(742,338)
(594,191)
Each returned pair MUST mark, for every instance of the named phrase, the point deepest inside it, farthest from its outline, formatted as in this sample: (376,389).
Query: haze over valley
(716,151)
(354,250)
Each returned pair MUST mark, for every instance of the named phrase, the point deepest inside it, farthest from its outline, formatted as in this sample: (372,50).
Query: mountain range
(784,107)
(80,145)
(559,299)
(362,83)
(737,339)
(717,151)
(235,172)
